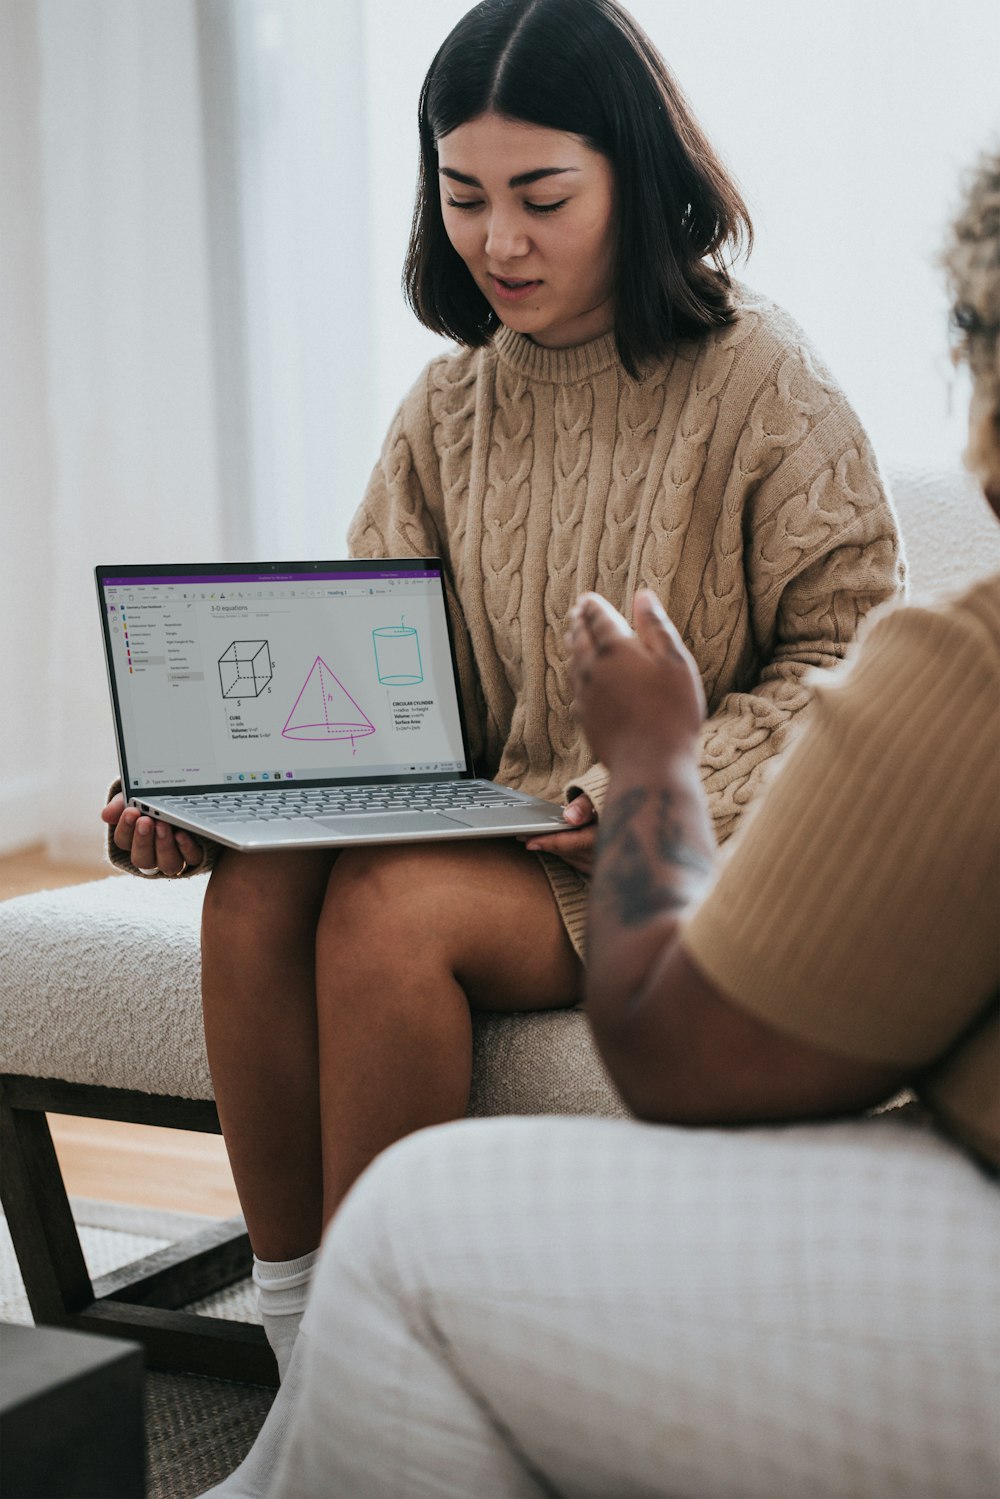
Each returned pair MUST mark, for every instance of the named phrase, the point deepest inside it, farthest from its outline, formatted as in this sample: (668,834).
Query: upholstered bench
(100,1015)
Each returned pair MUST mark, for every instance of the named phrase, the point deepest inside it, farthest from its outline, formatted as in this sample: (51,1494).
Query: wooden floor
(29,870)
(160,1168)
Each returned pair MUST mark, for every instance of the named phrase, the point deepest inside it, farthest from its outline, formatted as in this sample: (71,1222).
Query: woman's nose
(505,238)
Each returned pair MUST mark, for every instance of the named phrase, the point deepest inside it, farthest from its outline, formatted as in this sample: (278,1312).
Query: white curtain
(123,452)
(204,207)
(300,237)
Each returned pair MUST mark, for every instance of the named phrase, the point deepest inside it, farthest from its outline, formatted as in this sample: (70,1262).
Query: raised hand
(638,691)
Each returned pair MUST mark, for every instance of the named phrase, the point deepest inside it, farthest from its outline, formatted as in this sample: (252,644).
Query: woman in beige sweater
(618,414)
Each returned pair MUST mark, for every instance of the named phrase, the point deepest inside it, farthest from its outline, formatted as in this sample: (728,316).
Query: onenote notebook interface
(281,693)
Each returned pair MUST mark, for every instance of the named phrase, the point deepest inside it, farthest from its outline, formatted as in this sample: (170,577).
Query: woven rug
(197,1430)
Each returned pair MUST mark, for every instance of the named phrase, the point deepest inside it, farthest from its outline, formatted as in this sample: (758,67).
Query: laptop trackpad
(509,817)
(386,823)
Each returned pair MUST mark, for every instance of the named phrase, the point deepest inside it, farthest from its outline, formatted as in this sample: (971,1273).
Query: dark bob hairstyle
(584,67)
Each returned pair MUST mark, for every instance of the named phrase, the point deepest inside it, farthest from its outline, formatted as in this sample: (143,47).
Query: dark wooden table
(70,1415)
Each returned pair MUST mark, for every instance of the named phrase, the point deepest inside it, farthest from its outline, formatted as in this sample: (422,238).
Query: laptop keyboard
(330,801)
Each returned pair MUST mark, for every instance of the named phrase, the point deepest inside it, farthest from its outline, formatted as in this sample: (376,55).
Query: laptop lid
(309,673)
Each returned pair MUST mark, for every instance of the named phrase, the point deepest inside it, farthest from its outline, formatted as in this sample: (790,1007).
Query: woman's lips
(512,289)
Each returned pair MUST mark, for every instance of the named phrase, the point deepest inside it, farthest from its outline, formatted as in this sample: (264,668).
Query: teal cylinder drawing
(397,656)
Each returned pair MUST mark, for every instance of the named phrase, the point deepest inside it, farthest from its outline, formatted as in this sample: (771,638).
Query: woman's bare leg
(409,938)
(259,1001)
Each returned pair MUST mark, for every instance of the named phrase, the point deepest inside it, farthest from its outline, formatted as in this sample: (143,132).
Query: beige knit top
(734,479)
(860,910)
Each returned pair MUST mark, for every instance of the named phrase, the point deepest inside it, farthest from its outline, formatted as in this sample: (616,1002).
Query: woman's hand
(154,847)
(641,691)
(576,848)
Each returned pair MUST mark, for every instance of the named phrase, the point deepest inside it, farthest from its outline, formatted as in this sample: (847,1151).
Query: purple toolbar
(423,572)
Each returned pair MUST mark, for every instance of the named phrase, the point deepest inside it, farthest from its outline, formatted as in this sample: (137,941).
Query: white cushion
(950,534)
(100,983)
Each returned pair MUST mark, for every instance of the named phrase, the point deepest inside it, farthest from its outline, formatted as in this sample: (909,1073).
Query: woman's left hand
(577,848)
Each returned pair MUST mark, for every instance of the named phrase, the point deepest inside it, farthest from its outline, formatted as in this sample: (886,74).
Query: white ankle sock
(254,1478)
(282,1293)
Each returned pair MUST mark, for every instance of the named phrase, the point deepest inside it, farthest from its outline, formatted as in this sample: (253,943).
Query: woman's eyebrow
(521,180)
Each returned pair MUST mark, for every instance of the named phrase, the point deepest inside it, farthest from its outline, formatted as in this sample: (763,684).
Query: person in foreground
(806,1304)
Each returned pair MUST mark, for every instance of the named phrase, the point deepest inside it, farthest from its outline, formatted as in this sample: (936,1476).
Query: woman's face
(983,452)
(531,212)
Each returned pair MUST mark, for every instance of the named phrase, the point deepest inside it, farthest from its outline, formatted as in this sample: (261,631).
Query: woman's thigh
(482,912)
(592,1307)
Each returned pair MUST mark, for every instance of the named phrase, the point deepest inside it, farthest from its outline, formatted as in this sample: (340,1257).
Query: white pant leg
(593,1307)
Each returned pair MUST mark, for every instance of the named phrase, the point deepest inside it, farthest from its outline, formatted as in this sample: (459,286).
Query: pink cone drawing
(324,709)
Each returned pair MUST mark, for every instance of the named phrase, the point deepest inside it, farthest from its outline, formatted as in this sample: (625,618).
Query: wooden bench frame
(144,1300)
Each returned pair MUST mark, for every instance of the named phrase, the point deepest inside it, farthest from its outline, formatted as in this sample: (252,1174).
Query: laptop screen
(293,672)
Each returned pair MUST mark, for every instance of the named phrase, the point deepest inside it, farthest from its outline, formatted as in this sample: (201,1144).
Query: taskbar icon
(233,777)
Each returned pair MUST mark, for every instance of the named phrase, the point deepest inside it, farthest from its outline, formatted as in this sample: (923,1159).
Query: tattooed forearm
(672,843)
(642,854)
(627,879)
(618,817)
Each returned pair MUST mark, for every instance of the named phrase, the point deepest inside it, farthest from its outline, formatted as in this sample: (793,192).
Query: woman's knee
(264,898)
(381,899)
(414,1220)
(481,913)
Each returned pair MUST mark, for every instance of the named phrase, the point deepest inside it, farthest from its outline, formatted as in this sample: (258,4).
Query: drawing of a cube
(245,668)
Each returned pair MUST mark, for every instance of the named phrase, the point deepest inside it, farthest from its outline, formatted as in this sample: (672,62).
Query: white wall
(848,126)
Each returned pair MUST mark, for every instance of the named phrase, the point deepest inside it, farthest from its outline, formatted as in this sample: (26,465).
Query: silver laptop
(287,705)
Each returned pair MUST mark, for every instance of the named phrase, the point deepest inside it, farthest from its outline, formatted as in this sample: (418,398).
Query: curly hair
(972,261)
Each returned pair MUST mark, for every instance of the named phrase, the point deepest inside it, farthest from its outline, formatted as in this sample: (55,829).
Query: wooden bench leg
(38,1214)
(143,1300)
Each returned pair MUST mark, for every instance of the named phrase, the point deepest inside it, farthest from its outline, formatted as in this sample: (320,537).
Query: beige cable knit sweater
(734,479)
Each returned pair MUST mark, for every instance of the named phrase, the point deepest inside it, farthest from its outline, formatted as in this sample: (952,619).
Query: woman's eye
(545,207)
(464,202)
